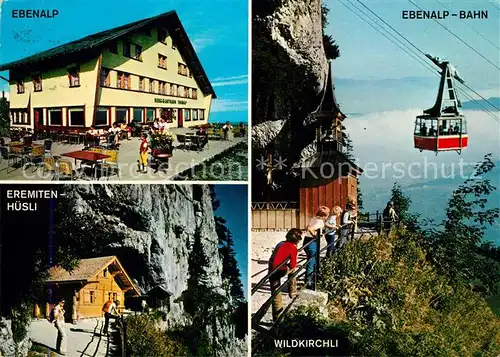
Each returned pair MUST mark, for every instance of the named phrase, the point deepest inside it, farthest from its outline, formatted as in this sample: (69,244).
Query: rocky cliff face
(152,229)
(290,70)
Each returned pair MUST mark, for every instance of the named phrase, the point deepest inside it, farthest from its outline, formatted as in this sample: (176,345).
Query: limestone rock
(8,347)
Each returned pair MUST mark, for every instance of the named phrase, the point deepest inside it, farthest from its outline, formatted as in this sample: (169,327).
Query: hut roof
(170,20)
(88,269)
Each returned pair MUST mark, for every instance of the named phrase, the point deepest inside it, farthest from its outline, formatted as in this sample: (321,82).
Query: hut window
(74,77)
(105,272)
(37,83)
(20,86)
(151,86)
(115,296)
(92,297)
(105,77)
(138,53)
(162,61)
(162,35)
(126,49)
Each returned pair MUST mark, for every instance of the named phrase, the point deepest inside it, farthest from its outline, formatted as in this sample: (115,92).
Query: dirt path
(84,338)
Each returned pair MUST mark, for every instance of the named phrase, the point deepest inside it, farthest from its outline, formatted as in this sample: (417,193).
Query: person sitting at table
(156,124)
(124,130)
(203,135)
(163,124)
(93,136)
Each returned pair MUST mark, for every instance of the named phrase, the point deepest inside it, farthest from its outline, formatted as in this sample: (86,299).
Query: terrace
(72,157)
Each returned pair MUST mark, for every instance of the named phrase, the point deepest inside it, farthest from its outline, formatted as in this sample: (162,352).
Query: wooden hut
(159,298)
(86,288)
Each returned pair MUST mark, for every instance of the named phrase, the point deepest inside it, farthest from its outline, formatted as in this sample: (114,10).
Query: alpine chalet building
(137,72)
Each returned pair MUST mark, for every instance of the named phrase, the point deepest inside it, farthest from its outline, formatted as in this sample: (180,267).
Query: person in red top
(283,251)
(143,154)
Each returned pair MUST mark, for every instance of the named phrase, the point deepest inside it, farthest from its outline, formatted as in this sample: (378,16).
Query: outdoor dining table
(89,156)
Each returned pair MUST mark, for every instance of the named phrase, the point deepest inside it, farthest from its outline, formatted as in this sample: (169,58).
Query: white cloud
(230,81)
(227,105)
(201,42)
(243,76)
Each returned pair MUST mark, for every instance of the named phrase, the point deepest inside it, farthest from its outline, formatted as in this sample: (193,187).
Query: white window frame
(49,113)
(70,110)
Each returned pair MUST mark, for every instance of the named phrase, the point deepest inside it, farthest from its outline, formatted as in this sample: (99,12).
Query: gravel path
(84,338)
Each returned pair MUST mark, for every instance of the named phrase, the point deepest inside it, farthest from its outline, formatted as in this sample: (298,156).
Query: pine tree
(4,116)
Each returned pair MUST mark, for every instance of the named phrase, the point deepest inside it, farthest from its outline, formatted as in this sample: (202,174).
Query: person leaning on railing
(347,223)
(283,251)
(332,224)
(317,223)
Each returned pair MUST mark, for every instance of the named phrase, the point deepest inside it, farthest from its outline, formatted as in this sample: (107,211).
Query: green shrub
(388,299)
(145,339)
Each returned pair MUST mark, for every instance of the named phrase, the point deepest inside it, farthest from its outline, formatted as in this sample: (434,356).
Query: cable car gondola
(442,127)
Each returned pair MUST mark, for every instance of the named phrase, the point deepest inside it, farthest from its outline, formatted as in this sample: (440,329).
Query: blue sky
(234,209)
(367,55)
(218,30)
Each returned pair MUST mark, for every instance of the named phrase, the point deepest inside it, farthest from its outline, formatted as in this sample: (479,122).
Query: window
(194,93)
(76,117)
(55,116)
(74,77)
(123,80)
(101,117)
(37,83)
(162,61)
(113,47)
(138,52)
(202,114)
(141,84)
(187,114)
(190,74)
(122,114)
(151,86)
(115,297)
(162,35)
(105,80)
(174,89)
(126,49)
(92,297)
(182,69)
(19,116)
(105,272)
(180,91)
(138,114)
(167,88)
(195,114)
(150,114)
(110,295)
(20,86)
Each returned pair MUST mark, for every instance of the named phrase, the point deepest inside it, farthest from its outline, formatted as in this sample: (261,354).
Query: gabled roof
(87,270)
(169,20)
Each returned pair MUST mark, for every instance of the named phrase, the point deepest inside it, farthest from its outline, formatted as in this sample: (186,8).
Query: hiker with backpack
(110,310)
(57,318)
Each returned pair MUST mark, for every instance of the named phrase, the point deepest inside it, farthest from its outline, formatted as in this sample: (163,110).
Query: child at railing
(315,225)
(283,251)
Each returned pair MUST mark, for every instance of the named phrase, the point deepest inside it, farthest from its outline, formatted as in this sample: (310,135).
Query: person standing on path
(332,225)
(110,311)
(315,225)
(61,343)
(389,215)
(283,251)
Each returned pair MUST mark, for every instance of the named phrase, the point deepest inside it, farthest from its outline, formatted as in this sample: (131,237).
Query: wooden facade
(86,288)
(274,219)
(328,193)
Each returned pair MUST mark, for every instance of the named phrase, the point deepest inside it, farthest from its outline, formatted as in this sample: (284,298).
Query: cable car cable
(494,4)
(399,33)
(465,43)
(400,44)
(472,28)
(425,64)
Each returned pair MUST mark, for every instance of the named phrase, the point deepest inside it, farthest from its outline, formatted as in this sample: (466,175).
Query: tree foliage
(332,49)
(456,243)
